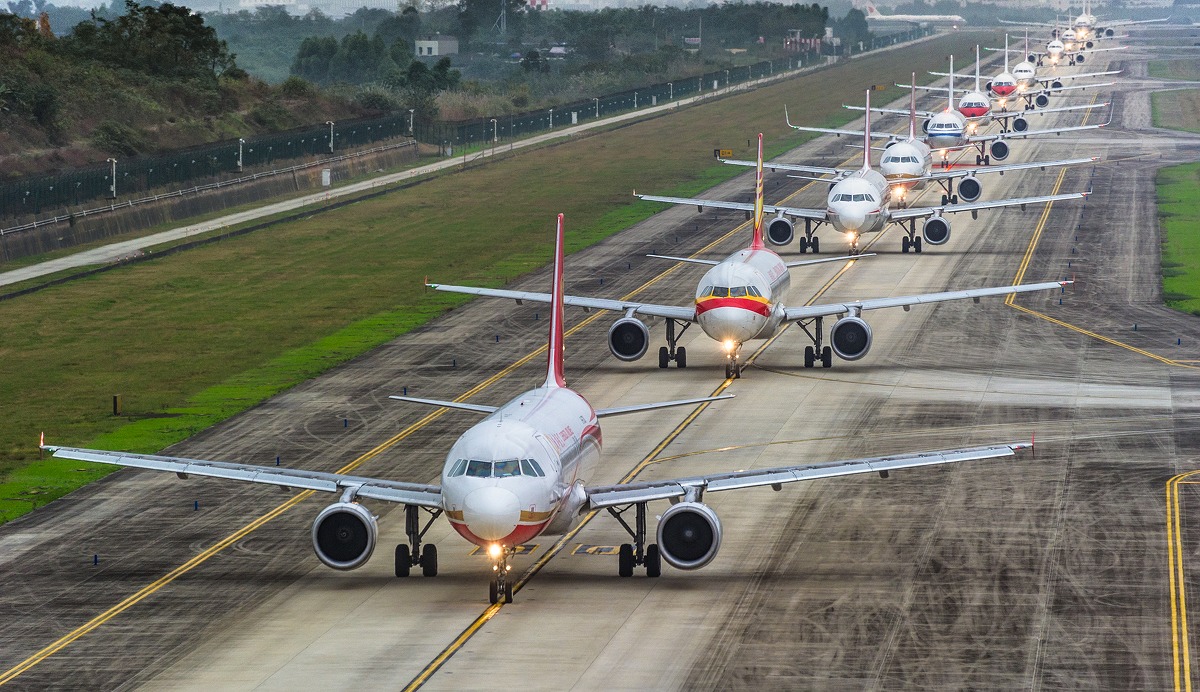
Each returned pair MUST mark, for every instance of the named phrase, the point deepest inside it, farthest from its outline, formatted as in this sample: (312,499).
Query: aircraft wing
(683,314)
(799,168)
(1079,76)
(808,312)
(1131,22)
(1002,168)
(798,212)
(372,488)
(897,111)
(1004,115)
(922,212)
(1056,90)
(646,491)
(839,133)
(973,139)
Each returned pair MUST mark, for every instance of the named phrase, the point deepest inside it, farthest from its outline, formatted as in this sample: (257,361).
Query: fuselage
(977,107)
(947,128)
(857,204)
(1003,84)
(904,161)
(739,299)
(518,473)
(1025,74)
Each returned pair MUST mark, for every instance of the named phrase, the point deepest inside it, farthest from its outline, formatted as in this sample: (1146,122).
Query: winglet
(757,242)
(786,119)
(554,349)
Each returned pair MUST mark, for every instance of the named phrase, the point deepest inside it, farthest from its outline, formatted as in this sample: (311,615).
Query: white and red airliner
(522,473)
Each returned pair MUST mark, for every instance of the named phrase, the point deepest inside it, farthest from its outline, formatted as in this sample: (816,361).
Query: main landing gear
(910,240)
(413,554)
(501,587)
(817,352)
(670,352)
(637,553)
(984,159)
(808,242)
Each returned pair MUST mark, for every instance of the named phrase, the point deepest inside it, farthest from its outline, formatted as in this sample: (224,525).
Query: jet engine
(344,534)
(780,231)
(628,339)
(925,126)
(969,188)
(1108,33)
(999,150)
(689,535)
(1030,58)
(1089,44)
(1020,124)
(987,86)
(850,338)
(1056,84)
(1041,100)
(1079,59)
(936,230)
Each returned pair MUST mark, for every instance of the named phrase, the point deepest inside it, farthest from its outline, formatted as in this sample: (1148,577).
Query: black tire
(945,200)
(429,561)
(681,357)
(810,356)
(508,592)
(663,357)
(625,560)
(815,244)
(978,159)
(403,561)
(954,199)
(653,561)
(987,160)
(493,592)
(803,245)
(904,244)
(827,357)
(916,244)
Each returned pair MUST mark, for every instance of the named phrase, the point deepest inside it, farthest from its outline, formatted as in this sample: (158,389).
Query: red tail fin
(757,242)
(554,357)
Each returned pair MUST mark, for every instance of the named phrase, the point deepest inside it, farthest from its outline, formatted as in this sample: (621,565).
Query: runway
(1054,569)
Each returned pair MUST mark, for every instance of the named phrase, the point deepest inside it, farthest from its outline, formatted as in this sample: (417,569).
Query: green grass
(194,338)
(1181,68)
(1176,110)
(1179,214)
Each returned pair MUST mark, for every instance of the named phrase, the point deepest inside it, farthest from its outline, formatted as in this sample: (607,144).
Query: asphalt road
(1049,570)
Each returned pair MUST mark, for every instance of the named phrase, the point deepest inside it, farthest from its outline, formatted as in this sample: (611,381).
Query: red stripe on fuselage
(974,111)
(750,304)
(1004,89)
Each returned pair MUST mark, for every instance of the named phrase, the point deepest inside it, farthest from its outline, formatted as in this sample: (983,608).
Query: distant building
(433,46)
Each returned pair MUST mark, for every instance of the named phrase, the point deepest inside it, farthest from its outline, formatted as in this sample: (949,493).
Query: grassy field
(1176,110)
(191,339)
(1179,213)
(1182,68)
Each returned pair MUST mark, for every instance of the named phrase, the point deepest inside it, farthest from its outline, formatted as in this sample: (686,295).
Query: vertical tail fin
(912,109)
(1006,51)
(976,67)
(867,135)
(757,242)
(951,87)
(554,349)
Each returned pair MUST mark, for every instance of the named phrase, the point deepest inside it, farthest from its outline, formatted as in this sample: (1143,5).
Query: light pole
(635,100)
(495,135)
(597,107)
(670,91)
(410,120)
(551,118)
(726,79)
(112,189)
(330,124)
(241,143)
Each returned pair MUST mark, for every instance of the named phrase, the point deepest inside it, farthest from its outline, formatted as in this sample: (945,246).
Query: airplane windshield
(753,291)
(720,292)
(529,467)
(504,469)
(738,292)
(479,469)
(459,468)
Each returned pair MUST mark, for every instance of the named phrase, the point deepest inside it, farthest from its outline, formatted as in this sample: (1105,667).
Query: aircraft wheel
(810,356)
(904,244)
(681,357)
(945,200)
(978,159)
(429,561)
(663,358)
(827,357)
(954,199)
(987,159)
(916,244)
(403,561)
(803,245)
(493,592)
(508,592)
(625,560)
(815,244)
(653,561)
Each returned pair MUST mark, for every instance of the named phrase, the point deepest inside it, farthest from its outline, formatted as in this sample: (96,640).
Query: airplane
(516,475)
(740,298)
(874,15)
(1084,27)
(976,108)
(908,164)
(1059,50)
(1025,83)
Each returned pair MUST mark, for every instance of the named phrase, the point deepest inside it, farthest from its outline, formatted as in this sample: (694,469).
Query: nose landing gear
(501,587)
(733,368)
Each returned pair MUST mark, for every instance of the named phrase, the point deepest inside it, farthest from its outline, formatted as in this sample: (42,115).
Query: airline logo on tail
(554,347)
(872,12)
(757,243)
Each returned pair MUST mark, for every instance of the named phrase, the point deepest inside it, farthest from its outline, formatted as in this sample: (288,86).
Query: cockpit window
(737,292)
(706,291)
(459,468)
(505,469)
(720,292)
(529,467)
(479,469)
(753,291)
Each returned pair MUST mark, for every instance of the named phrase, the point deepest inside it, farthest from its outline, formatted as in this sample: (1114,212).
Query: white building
(433,46)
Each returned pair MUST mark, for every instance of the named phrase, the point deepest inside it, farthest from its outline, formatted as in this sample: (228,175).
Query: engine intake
(344,534)
(689,535)
(628,339)
(1020,124)
(999,150)
(969,188)
(780,231)
(1079,58)
(1041,100)
(850,338)
(936,231)
(925,125)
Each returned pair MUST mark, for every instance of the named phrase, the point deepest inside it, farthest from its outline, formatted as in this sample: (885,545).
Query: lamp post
(112,188)
(670,91)
(330,124)
(551,118)
(410,120)
(597,107)
(495,135)
(726,79)
(241,143)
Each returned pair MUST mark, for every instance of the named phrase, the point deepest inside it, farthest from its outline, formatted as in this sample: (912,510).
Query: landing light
(728,345)
(495,551)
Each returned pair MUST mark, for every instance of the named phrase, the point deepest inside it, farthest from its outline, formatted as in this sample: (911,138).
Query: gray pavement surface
(1050,570)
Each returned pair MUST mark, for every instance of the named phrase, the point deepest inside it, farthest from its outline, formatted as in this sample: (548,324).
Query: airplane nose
(491,513)
(730,324)
(852,221)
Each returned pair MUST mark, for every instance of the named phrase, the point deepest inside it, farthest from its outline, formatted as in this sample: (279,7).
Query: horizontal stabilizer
(638,408)
(473,408)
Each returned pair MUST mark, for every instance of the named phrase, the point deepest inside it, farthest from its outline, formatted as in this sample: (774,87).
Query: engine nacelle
(1079,59)
(925,125)
(628,339)
(780,231)
(1056,84)
(1109,33)
(344,534)
(969,188)
(1041,100)
(689,535)
(1031,58)
(890,143)
(1089,44)
(850,338)
(999,150)
(987,86)
(1020,124)
(936,230)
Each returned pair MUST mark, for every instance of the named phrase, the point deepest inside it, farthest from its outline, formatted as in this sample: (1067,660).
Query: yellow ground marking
(1181,654)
